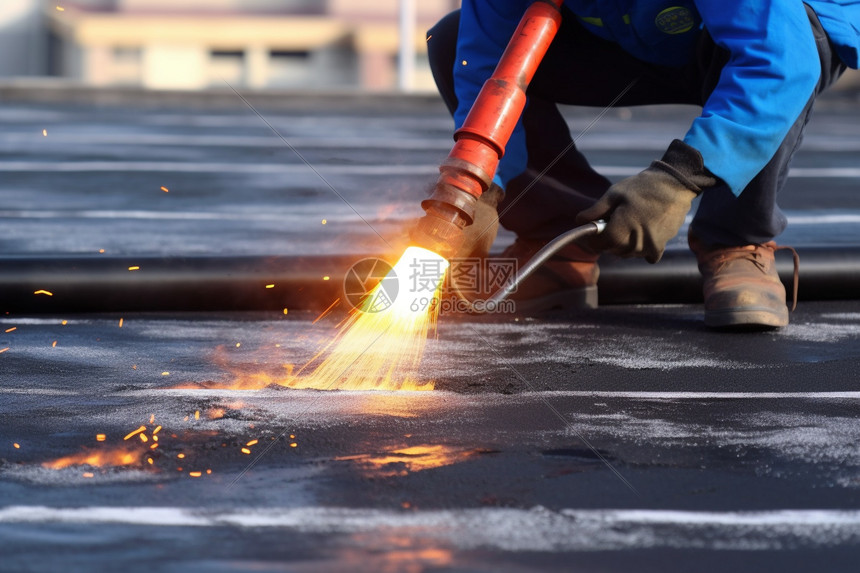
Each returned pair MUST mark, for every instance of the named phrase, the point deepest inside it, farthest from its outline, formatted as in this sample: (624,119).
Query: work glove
(644,211)
(479,236)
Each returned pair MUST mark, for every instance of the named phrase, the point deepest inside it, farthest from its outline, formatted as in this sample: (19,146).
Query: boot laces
(796,276)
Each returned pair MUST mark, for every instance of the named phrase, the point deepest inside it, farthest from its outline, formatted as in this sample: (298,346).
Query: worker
(754,67)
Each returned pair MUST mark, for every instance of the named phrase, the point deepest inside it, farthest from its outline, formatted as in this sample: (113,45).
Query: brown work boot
(741,285)
(566,281)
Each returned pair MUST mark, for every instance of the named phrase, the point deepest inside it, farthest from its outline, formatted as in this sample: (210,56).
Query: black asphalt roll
(105,284)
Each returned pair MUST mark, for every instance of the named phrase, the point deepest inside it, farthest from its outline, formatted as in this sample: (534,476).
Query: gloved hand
(648,209)
(479,236)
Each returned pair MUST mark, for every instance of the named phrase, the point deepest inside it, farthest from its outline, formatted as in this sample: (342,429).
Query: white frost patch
(821,331)
(42,321)
(814,439)
(632,428)
(851,316)
(505,529)
(655,354)
(74,476)
(561,343)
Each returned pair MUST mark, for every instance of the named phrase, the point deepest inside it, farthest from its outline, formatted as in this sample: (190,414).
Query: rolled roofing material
(106,284)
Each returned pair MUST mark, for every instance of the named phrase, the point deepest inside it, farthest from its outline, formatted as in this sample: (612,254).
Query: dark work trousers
(582,69)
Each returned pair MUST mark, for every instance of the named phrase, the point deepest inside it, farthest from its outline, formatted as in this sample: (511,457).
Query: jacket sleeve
(772,72)
(485,29)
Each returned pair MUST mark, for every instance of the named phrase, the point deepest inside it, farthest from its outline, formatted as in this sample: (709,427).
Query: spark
(246,451)
(326,311)
(44,292)
(149,461)
(165,189)
(252,442)
(54,344)
(2,350)
(135,268)
(381,344)
(134,433)
(101,437)
(45,132)
(324,221)
(14,328)
(195,474)
(143,438)
(428,37)
(180,456)
(270,286)
(294,445)
(285,311)
(208,472)
(197,414)
(88,474)
(17,446)
(325,278)
(60,9)
(156,430)
(464,62)
(238,344)
(65,322)
(152,418)
(101,251)
(165,373)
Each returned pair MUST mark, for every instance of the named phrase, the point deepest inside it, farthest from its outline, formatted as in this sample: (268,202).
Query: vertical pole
(406,52)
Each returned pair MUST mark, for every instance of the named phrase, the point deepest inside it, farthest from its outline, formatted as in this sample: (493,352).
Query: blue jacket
(772,72)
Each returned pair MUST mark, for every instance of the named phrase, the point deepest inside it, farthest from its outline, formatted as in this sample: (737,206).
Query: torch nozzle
(449,210)
(440,230)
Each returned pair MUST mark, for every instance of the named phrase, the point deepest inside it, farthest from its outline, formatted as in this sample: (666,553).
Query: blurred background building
(253,44)
(195,44)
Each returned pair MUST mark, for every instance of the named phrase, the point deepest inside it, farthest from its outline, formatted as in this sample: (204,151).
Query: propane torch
(480,143)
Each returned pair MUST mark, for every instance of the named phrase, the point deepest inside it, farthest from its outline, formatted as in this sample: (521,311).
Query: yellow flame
(405,460)
(380,346)
(110,457)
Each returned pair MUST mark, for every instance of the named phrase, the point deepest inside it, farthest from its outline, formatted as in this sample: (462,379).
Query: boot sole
(747,319)
(571,299)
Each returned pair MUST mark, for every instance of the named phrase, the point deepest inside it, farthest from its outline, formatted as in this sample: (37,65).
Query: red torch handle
(481,141)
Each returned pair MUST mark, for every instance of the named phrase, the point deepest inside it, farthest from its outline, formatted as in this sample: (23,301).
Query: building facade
(196,44)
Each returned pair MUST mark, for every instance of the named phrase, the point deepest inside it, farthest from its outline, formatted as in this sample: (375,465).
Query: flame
(109,457)
(380,346)
(410,459)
